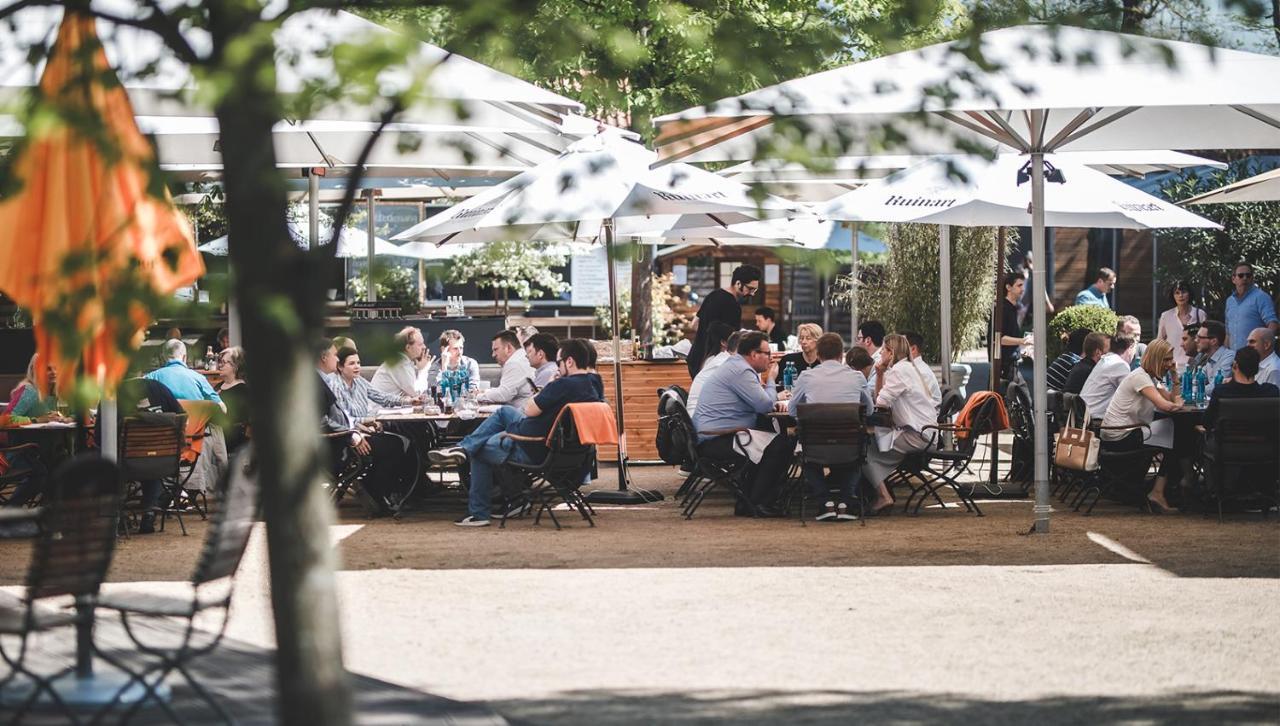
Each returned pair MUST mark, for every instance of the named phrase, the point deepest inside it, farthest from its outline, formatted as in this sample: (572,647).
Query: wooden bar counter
(640,383)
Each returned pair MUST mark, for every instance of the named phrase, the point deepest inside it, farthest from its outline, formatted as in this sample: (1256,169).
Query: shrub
(668,323)
(1093,317)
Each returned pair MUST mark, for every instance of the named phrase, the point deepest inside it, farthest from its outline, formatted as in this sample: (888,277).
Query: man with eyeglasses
(1248,307)
(731,402)
(724,305)
(1214,356)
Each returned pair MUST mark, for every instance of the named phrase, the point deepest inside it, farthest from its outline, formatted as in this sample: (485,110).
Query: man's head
(1245,365)
(1027,260)
(1106,280)
(1095,346)
(859,359)
(573,357)
(830,346)
(753,346)
(451,340)
(1242,277)
(1075,341)
(326,356)
(541,349)
(1129,325)
(870,335)
(1125,347)
(1014,282)
(343,341)
(525,332)
(765,319)
(1189,344)
(410,340)
(174,349)
(1263,340)
(1211,336)
(745,282)
(718,337)
(914,341)
(504,345)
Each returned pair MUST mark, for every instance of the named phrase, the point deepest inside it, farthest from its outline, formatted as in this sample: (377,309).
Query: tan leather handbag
(1077,446)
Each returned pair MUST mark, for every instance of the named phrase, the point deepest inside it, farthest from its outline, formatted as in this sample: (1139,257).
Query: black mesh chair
(211,588)
(558,476)
(150,448)
(1240,458)
(22,463)
(943,464)
(710,473)
(71,557)
(832,434)
(1118,473)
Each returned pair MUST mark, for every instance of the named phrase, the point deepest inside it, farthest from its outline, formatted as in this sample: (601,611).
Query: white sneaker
(842,513)
(470,521)
(828,512)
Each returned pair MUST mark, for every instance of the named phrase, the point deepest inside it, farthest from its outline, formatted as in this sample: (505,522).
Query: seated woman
(901,389)
(1137,398)
(28,401)
(807,356)
(389,452)
(235,394)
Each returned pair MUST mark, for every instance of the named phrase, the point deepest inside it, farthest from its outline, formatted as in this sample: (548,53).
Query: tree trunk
(281,316)
(1132,16)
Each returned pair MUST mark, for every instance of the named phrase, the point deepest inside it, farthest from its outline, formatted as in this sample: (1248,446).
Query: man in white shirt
(1107,374)
(398,377)
(831,381)
(515,387)
(725,339)
(541,349)
(915,340)
(1263,340)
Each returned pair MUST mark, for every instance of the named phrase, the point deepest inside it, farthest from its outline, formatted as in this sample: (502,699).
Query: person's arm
(208,394)
(890,386)
(381,398)
(760,398)
(1156,396)
(514,380)
(799,392)
(22,404)
(473,372)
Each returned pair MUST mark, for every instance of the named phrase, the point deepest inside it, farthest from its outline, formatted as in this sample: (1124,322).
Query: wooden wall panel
(1070,265)
(640,383)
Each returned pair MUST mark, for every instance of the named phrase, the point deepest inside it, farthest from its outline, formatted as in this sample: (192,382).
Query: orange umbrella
(85,245)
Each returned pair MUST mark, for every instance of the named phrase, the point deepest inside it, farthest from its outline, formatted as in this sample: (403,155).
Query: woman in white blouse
(1173,320)
(1133,407)
(900,388)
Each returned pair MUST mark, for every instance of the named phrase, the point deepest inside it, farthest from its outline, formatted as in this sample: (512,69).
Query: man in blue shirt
(831,381)
(733,399)
(486,448)
(1248,308)
(184,383)
(1214,355)
(1096,294)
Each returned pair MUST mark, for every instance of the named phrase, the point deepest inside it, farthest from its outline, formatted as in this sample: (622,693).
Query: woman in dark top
(807,356)
(235,394)
(1011,339)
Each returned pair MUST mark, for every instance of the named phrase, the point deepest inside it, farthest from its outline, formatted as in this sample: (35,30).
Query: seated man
(1107,374)
(515,387)
(1061,366)
(733,398)
(541,349)
(766,322)
(452,362)
(1243,384)
(1095,346)
(397,378)
(861,362)
(487,448)
(1215,357)
(1263,340)
(722,339)
(184,383)
(831,381)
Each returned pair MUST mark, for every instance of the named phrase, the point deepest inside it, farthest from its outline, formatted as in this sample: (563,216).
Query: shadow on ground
(845,707)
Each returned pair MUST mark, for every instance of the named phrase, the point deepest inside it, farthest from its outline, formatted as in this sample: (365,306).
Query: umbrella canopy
(1264,187)
(601,178)
(351,243)
(83,239)
(975,193)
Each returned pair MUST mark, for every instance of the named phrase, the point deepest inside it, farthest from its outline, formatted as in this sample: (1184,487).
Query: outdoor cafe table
(427,431)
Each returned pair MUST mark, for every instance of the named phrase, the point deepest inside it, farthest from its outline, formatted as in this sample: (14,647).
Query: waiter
(725,305)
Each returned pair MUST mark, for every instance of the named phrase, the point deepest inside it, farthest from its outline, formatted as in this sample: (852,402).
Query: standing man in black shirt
(725,305)
(1009,332)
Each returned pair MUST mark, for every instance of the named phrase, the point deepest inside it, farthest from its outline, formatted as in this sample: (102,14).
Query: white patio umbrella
(351,243)
(1264,187)
(998,194)
(581,195)
(1040,89)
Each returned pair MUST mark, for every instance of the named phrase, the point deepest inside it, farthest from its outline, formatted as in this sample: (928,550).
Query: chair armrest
(19,447)
(19,514)
(519,437)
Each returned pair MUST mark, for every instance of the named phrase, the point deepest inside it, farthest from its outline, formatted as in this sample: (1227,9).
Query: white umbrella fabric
(1040,89)
(580,195)
(1264,187)
(351,243)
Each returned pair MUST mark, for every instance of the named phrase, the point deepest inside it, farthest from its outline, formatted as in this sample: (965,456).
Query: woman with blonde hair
(1126,426)
(28,401)
(807,356)
(902,389)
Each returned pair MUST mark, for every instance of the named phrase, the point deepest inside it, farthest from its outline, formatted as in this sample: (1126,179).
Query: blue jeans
(488,449)
(841,478)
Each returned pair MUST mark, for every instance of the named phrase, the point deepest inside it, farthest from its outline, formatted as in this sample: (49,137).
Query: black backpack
(670,449)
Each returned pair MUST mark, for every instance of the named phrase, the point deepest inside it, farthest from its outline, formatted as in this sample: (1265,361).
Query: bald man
(1263,340)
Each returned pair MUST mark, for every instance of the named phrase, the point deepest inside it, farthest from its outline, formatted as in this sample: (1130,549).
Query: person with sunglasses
(1248,307)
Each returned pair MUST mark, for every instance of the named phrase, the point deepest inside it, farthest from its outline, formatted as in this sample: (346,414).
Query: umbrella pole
(624,494)
(1040,397)
(371,289)
(997,323)
(944,292)
(853,283)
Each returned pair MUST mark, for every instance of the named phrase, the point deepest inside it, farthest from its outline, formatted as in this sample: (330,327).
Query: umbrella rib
(980,126)
(1085,131)
(1254,113)
(748,125)
(717,220)
(1070,128)
(323,156)
(499,148)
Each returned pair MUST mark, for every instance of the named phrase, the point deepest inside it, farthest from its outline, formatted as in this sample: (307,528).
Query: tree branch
(158,22)
(349,196)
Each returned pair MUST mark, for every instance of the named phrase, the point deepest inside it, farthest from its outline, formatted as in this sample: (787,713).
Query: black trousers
(764,483)
(390,464)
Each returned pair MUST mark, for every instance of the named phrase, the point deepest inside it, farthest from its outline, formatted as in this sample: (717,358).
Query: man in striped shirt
(1061,367)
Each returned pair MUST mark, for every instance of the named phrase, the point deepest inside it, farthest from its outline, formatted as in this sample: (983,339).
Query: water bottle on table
(1201,381)
(789,375)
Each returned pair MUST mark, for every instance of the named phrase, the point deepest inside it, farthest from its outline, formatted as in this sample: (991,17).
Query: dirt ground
(655,535)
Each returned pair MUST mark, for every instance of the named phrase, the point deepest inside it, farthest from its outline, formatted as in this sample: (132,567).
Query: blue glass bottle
(1186,385)
(789,375)
(1201,381)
